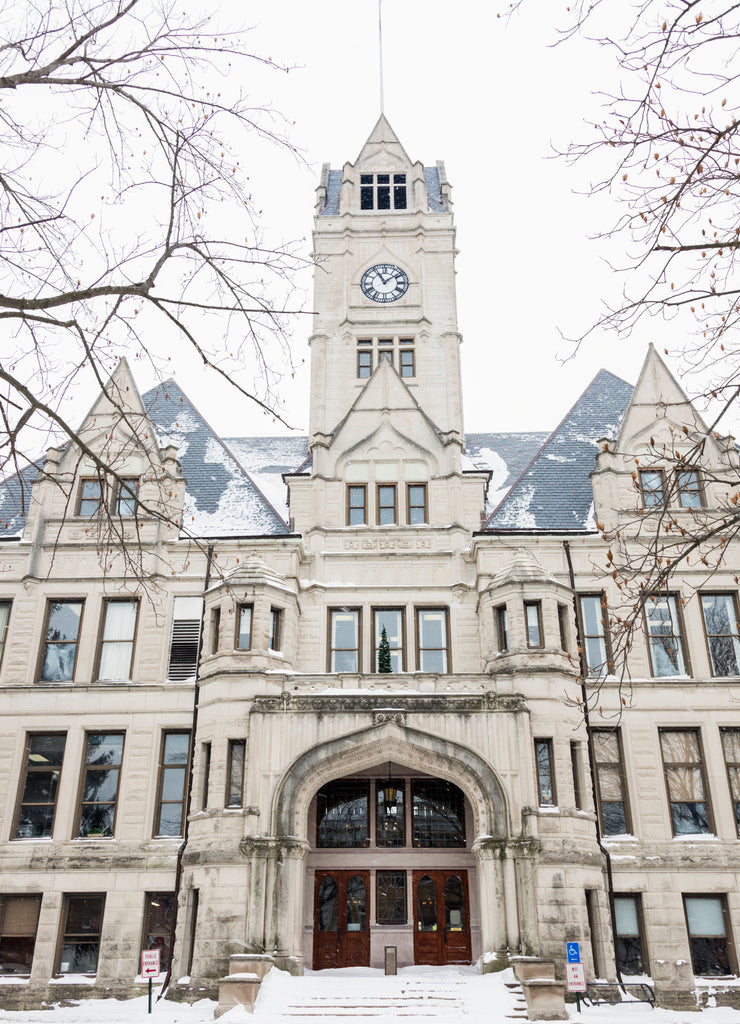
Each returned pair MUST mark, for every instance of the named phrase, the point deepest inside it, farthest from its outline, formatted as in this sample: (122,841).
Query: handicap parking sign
(574,952)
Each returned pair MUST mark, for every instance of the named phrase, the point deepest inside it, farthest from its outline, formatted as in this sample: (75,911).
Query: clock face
(384,283)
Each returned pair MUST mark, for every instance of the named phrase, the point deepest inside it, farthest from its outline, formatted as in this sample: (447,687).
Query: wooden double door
(341,919)
(441,917)
(342,925)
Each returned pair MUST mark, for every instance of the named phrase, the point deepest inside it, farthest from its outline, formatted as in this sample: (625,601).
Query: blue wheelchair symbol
(574,952)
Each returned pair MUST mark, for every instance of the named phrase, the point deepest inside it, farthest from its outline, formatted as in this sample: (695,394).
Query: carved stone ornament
(383,715)
(409,703)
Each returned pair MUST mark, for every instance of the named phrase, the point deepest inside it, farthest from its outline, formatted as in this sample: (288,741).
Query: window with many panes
(390,813)
(42,769)
(533,623)
(61,633)
(731,749)
(595,634)
(356,505)
(437,814)
(127,491)
(187,614)
(82,921)
(90,496)
(387,504)
(628,934)
(545,772)
(344,640)
(19,919)
(116,649)
(723,633)
(343,813)
(708,926)
(432,640)
(611,786)
(686,783)
(159,914)
(244,627)
(4,619)
(100,777)
(383,191)
(665,635)
(399,352)
(174,764)
(416,498)
(392,621)
(235,773)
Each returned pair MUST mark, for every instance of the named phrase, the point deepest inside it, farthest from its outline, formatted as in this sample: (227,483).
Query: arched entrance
(390,818)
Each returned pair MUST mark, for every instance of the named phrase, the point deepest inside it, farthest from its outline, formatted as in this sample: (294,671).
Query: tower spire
(380,51)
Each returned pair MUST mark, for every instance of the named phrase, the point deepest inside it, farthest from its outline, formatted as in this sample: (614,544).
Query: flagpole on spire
(380,52)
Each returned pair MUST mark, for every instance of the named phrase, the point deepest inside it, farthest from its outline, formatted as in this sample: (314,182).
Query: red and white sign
(150,963)
(575,977)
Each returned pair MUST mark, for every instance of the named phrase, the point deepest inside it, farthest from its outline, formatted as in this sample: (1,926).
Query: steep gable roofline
(602,379)
(385,366)
(653,370)
(171,390)
(382,136)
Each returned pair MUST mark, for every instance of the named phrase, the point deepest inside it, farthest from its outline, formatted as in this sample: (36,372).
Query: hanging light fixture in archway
(390,795)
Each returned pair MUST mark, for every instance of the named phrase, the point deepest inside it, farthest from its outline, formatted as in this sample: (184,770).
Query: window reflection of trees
(100,789)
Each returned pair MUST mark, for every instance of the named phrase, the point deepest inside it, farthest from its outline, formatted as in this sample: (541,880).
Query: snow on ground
(450,995)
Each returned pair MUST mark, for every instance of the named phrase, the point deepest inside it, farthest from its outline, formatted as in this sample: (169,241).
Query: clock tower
(384,244)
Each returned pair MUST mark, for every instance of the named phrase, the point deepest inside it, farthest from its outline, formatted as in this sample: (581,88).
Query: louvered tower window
(186,622)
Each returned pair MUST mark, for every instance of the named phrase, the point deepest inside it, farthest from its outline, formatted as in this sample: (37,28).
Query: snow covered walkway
(416,993)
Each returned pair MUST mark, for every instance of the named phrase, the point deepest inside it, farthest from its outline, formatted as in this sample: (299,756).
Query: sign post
(150,968)
(575,972)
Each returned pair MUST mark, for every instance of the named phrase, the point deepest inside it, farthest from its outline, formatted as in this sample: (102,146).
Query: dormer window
(383,192)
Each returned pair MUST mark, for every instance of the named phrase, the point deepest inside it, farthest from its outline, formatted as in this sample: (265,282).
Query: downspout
(188,798)
(591,768)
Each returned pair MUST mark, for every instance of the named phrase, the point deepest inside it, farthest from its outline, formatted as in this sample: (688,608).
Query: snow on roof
(221,498)
(505,456)
(554,491)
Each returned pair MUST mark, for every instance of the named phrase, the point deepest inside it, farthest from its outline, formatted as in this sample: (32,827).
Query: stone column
(491,897)
(256,850)
(288,902)
(520,860)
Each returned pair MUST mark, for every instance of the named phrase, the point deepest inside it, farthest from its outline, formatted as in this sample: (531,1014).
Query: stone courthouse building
(198,751)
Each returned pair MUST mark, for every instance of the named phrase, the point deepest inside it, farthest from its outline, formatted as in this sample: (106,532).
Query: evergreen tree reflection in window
(438,814)
(342,813)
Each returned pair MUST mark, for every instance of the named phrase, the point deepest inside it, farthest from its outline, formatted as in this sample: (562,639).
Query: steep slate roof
(221,499)
(554,491)
(505,455)
(15,494)
(235,485)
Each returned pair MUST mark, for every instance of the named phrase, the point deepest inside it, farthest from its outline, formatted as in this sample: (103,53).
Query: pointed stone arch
(391,741)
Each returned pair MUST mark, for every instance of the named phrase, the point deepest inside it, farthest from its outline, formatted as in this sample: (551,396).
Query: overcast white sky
(491,99)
